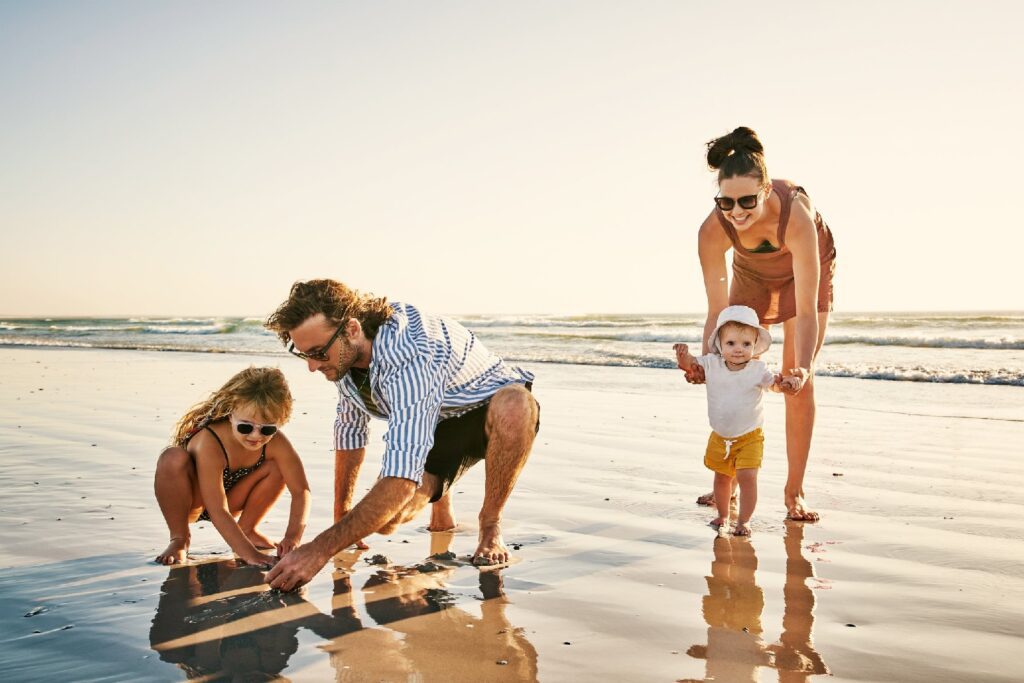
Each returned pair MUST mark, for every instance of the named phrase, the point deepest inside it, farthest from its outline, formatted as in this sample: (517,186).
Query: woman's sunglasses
(248,427)
(749,201)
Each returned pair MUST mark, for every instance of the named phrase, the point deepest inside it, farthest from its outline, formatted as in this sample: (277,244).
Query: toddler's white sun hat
(747,316)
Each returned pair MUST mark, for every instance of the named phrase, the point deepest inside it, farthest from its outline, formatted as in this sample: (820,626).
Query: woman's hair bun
(742,140)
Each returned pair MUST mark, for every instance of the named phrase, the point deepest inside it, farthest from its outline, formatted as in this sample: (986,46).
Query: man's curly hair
(335,300)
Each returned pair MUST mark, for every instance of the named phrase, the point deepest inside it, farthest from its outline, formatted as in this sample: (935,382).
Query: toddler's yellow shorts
(743,452)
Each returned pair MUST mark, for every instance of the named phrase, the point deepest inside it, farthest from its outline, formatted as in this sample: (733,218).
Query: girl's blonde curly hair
(264,389)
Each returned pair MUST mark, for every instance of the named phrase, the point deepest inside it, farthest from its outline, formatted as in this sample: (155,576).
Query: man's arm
(377,508)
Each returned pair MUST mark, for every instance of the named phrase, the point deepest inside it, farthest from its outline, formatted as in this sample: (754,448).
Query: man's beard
(347,357)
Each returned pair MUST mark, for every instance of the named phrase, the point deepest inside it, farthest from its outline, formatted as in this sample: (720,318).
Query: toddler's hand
(794,381)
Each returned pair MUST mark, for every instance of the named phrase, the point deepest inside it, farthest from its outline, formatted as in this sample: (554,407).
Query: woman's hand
(794,380)
(685,362)
(695,375)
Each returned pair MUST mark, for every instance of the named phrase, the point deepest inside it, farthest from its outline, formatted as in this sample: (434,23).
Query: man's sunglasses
(749,201)
(318,354)
(248,427)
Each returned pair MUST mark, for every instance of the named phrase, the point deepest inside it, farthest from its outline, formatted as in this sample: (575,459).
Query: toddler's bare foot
(721,525)
(175,553)
(259,540)
(742,529)
(491,549)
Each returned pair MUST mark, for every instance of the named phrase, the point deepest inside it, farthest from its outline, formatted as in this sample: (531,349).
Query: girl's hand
(286,546)
(261,560)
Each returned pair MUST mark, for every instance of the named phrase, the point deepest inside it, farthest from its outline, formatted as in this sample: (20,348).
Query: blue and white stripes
(423,369)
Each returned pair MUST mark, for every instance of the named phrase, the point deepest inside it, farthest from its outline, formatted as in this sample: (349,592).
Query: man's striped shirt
(423,369)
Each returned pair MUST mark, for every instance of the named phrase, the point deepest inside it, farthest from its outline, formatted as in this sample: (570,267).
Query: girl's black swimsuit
(231,477)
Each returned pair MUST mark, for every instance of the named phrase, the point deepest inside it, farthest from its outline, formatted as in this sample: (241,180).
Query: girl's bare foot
(259,540)
(175,553)
(742,529)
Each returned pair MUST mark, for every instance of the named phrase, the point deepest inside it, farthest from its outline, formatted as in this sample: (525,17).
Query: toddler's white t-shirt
(734,398)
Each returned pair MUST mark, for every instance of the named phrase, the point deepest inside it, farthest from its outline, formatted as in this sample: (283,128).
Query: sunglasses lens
(748,202)
(268,430)
(243,428)
(725,203)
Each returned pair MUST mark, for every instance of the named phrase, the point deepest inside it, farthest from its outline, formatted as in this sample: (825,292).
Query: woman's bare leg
(177,494)
(800,414)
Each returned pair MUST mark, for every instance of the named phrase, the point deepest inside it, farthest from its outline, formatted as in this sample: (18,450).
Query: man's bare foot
(175,553)
(259,540)
(491,549)
(442,518)
(798,512)
(742,529)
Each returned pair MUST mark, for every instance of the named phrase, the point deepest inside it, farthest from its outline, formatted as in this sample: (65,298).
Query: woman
(783,264)
(229,459)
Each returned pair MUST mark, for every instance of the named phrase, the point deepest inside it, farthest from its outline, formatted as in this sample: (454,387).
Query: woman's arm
(210,470)
(802,240)
(712,245)
(290,466)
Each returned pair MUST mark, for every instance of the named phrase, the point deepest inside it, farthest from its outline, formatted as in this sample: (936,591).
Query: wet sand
(914,574)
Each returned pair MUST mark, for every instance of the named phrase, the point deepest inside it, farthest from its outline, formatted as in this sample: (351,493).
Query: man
(448,401)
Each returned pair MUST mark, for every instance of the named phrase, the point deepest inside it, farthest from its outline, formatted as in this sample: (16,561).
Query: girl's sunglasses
(248,427)
(748,202)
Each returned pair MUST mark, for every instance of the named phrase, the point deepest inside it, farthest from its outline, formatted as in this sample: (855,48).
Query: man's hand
(296,568)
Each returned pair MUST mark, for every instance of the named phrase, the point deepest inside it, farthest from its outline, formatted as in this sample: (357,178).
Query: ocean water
(975,348)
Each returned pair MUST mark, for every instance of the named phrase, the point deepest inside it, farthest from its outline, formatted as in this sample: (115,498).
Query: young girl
(228,458)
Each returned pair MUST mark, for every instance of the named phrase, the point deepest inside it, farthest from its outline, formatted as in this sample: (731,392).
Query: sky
(194,158)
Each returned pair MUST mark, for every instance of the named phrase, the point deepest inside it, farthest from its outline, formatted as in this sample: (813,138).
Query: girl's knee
(174,459)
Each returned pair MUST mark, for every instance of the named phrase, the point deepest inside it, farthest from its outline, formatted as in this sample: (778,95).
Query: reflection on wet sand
(732,609)
(220,621)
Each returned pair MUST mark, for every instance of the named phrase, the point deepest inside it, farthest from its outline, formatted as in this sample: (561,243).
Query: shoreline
(916,546)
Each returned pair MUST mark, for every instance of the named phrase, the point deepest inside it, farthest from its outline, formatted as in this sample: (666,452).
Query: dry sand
(914,574)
